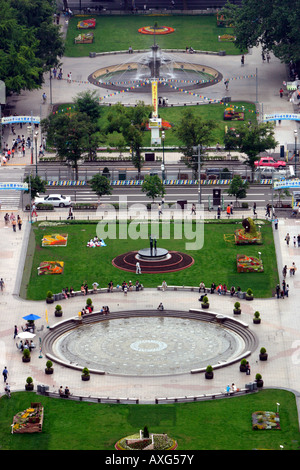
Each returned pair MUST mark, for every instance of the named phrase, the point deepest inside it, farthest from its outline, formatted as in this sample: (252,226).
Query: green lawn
(212,425)
(115,33)
(216,261)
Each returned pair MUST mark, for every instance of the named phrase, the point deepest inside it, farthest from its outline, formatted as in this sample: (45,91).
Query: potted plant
(26,355)
(85,374)
(256,318)
(49,297)
(58,311)
(209,374)
(259,381)
(249,294)
(49,368)
(89,303)
(237,310)
(205,302)
(243,365)
(29,384)
(263,355)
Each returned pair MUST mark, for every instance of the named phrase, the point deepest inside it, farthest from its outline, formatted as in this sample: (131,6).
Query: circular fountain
(166,68)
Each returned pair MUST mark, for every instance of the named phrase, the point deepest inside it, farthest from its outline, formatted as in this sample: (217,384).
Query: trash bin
(92,54)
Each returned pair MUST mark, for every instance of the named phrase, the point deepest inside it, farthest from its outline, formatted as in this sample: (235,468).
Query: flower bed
(244,238)
(265,420)
(227,38)
(84,38)
(29,420)
(87,24)
(156,30)
(154,442)
(51,267)
(249,264)
(56,239)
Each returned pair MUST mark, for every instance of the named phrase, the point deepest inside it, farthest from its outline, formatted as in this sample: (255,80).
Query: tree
(73,136)
(35,185)
(29,43)
(153,187)
(193,131)
(251,140)
(238,188)
(88,102)
(273,24)
(101,185)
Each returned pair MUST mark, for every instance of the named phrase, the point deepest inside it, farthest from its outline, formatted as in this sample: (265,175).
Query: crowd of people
(221,289)
(13,221)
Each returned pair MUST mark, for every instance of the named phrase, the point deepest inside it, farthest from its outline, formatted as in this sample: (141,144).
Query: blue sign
(16,186)
(23,119)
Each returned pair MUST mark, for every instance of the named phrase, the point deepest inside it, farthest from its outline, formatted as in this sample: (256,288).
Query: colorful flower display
(262,420)
(249,264)
(87,24)
(51,267)
(156,30)
(56,239)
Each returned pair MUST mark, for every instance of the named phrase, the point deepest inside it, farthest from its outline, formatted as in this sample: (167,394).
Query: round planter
(25,359)
(256,321)
(237,311)
(263,357)
(29,387)
(260,383)
(209,375)
(85,378)
(243,368)
(205,305)
(249,297)
(49,300)
(49,371)
(58,313)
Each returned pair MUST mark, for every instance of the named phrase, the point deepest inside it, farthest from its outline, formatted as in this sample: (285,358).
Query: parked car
(269,172)
(57,200)
(269,161)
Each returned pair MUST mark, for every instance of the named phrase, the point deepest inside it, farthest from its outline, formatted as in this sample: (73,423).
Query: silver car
(57,200)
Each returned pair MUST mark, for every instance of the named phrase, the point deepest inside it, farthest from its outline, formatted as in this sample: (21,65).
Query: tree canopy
(30,43)
(273,24)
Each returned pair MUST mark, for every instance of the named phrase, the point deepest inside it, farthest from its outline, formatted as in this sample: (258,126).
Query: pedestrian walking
(19,222)
(219,212)
(268,57)
(248,370)
(5,373)
(287,239)
(287,290)
(2,285)
(242,60)
(15,331)
(33,210)
(138,268)
(263,57)
(276,223)
(254,208)
(14,225)
(193,209)
(226,83)
(159,210)
(281,92)
(278,291)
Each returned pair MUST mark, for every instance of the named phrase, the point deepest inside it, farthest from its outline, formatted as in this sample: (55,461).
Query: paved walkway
(280,328)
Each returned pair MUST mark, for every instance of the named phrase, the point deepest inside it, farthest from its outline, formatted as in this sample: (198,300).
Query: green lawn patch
(117,33)
(211,425)
(215,262)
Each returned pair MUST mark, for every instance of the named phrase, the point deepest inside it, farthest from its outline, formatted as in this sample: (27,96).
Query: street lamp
(35,141)
(296,135)
(163,163)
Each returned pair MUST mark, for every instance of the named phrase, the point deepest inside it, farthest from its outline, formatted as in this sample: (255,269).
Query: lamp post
(163,163)
(295,135)
(35,141)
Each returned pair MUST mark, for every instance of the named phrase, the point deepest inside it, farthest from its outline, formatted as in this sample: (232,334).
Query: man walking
(5,373)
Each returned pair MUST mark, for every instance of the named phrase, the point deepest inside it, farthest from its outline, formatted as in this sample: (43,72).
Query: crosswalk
(11,199)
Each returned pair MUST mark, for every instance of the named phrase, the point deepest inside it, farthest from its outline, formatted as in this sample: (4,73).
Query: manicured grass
(117,33)
(212,425)
(216,261)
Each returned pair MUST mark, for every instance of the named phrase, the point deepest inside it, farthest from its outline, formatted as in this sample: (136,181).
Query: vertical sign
(154,100)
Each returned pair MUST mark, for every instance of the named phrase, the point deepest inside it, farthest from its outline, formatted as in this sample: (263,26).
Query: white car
(57,200)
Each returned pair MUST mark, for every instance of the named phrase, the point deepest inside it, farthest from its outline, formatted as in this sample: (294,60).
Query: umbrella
(31,317)
(26,335)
